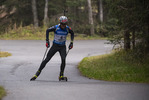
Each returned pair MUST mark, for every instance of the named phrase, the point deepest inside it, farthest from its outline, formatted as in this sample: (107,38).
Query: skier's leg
(62,52)
(50,54)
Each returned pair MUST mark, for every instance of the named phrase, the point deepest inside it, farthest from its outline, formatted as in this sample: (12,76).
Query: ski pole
(44,54)
(67,52)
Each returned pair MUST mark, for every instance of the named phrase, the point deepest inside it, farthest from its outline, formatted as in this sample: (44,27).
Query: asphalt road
(16,71)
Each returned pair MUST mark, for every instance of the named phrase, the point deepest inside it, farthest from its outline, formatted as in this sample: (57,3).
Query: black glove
(71,45)
(47,43)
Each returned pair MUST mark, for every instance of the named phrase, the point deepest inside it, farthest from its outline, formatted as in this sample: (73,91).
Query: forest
(122,21)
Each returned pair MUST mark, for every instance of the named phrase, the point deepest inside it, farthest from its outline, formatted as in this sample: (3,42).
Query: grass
(24,33)
(2,92)
(117,66)
(4,54)
(31,33)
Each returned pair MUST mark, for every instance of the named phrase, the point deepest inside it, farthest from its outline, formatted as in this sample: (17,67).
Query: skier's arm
(72,34)
(47,35)
(53,28)
(72,38)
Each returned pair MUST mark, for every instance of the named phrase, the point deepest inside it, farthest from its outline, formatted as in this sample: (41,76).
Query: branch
(122,7)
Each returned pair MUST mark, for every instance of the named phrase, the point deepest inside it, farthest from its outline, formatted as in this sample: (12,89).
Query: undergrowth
(31,33)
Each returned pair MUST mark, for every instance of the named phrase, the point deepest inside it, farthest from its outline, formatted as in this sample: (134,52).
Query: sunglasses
(63,23)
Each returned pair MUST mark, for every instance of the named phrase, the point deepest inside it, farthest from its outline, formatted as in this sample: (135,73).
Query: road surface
(16,71)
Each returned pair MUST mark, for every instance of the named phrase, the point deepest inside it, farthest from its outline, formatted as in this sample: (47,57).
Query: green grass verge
(116,66)
(2,92)
(4,54)
(31,33)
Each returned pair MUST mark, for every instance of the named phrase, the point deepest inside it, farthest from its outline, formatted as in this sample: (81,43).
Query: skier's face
(63,25)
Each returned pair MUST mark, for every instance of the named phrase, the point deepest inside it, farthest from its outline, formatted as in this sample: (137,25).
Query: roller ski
(62,78)
(35,76)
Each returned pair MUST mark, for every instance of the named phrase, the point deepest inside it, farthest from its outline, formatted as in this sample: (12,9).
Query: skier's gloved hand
(47,43)
(71,45)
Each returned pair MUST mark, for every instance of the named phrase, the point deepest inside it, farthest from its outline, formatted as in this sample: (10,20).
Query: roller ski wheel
(62,78)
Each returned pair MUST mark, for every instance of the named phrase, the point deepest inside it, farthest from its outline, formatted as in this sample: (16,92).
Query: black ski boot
(62,78)
(35,76)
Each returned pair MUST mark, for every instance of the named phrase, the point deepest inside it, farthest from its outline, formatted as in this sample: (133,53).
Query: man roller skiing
(60,33)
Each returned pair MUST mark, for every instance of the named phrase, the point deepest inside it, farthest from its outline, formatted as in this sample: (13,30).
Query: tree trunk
(127,40)
(46,19)
(65,7)
(100,10)
(133,39)
(34,10)
(90,17)
(146,38)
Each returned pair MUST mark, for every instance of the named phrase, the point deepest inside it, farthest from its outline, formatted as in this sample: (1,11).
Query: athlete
(60,33)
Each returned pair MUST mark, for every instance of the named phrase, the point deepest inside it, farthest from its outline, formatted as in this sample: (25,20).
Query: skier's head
(63,21)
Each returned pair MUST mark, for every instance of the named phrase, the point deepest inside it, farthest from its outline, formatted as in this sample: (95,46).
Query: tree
(34,10)
(46,19)
(100,10)
(90,15)
(133,22)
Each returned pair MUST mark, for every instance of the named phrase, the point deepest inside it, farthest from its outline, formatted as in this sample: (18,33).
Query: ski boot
(62,78)
(35,76)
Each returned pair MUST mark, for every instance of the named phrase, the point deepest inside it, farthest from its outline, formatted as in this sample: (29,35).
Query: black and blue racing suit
(58,45)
